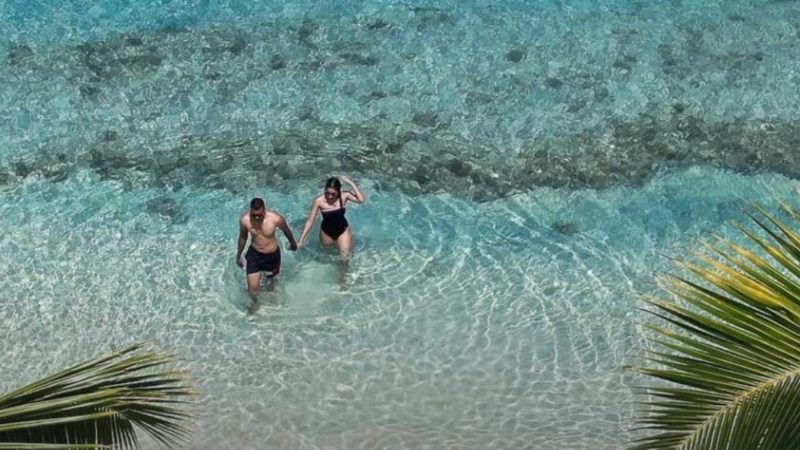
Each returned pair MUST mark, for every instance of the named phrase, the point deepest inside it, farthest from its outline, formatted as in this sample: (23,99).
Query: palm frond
(731,353)
(100,404)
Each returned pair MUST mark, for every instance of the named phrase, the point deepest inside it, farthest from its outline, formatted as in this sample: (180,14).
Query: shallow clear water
(528,168)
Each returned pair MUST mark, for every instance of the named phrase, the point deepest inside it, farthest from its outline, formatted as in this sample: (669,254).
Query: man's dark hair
(257,203)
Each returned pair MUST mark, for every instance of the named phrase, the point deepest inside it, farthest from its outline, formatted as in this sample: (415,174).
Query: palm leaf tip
(101,403)
(729,375)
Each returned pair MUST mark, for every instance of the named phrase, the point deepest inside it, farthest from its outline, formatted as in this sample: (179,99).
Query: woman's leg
(345,242)
(325,240)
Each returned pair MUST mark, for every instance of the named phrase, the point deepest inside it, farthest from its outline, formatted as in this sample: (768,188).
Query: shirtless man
(264,254)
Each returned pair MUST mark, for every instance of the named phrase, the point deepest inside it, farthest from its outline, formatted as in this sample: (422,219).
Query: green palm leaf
(731,354)
(100,404)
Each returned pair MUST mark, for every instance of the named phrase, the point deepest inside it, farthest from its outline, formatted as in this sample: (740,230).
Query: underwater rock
(377,24)
(57,172)
(106,60)
(173,29)
(110,136)
(625,62)
(576,105)
(277,62)
(237,45)
(479,98)
(149,60)
(227,91)
(141,146)
(430,16)
(220,42)
(423,156)
(22,169)
(211,75)
(377,95)
(89,91)
(565,228)
(692,128)
(394,147)
(458,167)
(426,119)
(106,160)
(667,55)
(421,175)
(167,208)
(134,41)
(600,93)
(18,53)
(359,59)
(307,112)
(516,55)
(306,31)
(734,17)
(554,83)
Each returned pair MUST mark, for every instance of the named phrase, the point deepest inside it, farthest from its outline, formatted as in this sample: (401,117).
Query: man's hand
(293,246)
(239,261)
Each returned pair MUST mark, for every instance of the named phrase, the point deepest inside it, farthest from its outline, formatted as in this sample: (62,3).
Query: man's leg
(270,291)
(253,283)
(271,266)
(272,271)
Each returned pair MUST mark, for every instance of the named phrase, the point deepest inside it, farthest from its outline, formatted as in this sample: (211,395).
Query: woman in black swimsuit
(331,204)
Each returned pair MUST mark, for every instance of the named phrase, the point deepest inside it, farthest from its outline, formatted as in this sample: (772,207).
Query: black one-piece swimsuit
(333,221)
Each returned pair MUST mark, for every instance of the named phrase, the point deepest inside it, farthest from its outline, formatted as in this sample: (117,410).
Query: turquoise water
(530,166)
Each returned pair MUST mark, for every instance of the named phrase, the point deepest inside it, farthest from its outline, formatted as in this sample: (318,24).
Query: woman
(331,204)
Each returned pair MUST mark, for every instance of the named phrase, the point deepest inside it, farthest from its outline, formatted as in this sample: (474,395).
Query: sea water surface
(530,167)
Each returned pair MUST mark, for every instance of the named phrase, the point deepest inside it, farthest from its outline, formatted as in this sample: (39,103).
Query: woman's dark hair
(334,183)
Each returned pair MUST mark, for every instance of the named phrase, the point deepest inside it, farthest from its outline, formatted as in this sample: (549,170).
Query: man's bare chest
(263,231)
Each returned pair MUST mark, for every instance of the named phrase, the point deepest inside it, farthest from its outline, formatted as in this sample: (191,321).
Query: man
(264,254)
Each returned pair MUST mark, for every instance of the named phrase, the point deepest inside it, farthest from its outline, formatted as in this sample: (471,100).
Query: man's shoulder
(274,215)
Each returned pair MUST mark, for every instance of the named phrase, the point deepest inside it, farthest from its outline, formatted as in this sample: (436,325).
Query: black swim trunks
(263,262)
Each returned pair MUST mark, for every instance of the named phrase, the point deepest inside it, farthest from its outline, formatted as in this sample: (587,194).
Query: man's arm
(242,242)
(287,231)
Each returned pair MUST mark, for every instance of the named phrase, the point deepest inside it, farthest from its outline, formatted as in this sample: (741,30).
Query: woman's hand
(359,196)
